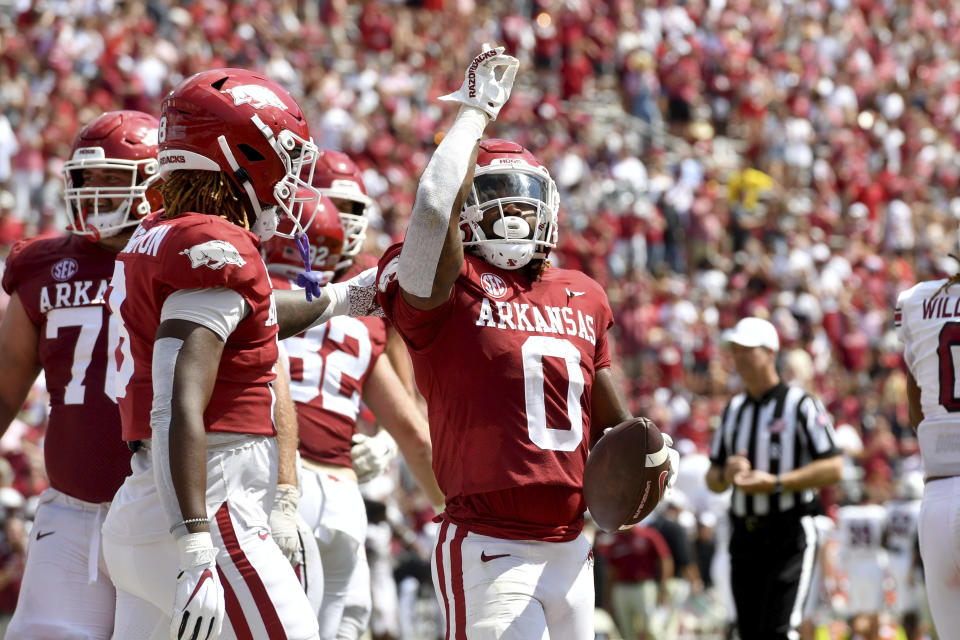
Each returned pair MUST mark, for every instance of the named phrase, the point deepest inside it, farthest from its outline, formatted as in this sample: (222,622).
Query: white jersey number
(90,321)
(325,379)
(948,353)
(534,350)
(119,339)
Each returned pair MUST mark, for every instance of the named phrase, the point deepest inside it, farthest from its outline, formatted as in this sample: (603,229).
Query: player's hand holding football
(487,82)
(372,455)
(674,457)
(283,522)
(198,605)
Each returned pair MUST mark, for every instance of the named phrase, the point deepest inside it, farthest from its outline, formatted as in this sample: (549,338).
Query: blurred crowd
(790,159)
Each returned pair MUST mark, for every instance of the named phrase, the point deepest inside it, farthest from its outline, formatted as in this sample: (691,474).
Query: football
(626,474)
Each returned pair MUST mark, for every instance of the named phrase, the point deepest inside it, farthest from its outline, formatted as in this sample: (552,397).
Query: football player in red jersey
(512,358)
(198,342)
(332,367)
(340,179)
(58,321)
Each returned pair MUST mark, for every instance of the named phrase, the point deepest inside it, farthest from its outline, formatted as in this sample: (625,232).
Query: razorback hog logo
(472,71)
(255,95)
(389,274)
(214,254)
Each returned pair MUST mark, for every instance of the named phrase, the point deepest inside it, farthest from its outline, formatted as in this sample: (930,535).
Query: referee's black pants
(771,568)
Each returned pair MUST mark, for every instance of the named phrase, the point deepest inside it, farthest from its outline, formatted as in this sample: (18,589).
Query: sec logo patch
(64,269)
(493,285)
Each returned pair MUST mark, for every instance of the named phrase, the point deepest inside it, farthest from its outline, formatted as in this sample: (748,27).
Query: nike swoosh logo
(263,534)
(485,558)
(44,534)
(574,294)
(206,575)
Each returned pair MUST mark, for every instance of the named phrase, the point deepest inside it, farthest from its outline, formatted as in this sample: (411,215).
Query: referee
(775,445)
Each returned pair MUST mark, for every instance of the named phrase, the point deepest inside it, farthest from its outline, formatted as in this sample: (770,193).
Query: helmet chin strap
(240,174)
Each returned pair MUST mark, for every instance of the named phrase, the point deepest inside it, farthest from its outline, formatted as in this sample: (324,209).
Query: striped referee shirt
(784,429)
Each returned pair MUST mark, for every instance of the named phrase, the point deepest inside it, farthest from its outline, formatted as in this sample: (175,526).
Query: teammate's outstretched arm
(21,365)
(432,254)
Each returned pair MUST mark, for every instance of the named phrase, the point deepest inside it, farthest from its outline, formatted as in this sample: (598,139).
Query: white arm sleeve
(165,354)
(436,195)
(219,309)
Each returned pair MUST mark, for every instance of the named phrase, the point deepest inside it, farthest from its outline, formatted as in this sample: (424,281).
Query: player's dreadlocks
(210,192)
(538,268)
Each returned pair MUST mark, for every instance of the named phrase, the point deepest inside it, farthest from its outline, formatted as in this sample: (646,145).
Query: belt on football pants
(134,445)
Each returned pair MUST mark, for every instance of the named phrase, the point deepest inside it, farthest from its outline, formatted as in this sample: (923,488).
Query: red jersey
(329,366)
(62,283)
(506,366)
(195,251)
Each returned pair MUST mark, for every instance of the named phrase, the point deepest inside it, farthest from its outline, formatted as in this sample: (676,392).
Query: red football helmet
(244,124)
(125,144)
(339,178)
(325,234)
(507,173)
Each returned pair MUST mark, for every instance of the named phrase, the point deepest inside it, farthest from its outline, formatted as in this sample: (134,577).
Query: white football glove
(674,457)
(283,522)
(198,605)
(482,88)
(372,455)
(356,297)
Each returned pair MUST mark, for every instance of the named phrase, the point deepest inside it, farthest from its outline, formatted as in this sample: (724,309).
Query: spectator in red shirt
(639,565)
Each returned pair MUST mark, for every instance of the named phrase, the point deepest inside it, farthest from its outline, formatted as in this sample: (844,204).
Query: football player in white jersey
(927,319)
(903,514)
(862,562)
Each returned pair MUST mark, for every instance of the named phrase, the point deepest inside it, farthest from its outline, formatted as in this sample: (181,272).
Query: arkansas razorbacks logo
(388,274)
(664,475)
(214,254)
(255,95)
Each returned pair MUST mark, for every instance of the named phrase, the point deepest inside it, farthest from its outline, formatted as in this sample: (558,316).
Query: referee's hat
(753,332)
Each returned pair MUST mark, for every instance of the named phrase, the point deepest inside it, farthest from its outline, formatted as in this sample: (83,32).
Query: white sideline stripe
(806,576)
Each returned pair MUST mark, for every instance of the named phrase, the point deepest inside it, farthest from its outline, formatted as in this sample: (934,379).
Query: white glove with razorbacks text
(371,455)
(198,604)
(283,522)
(482,88)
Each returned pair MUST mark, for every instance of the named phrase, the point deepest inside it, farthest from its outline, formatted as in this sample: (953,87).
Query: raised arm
(432,254)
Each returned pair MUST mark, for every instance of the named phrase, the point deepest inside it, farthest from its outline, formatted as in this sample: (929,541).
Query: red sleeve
(417,327)
(210,252)
(601,359)
(14,266)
